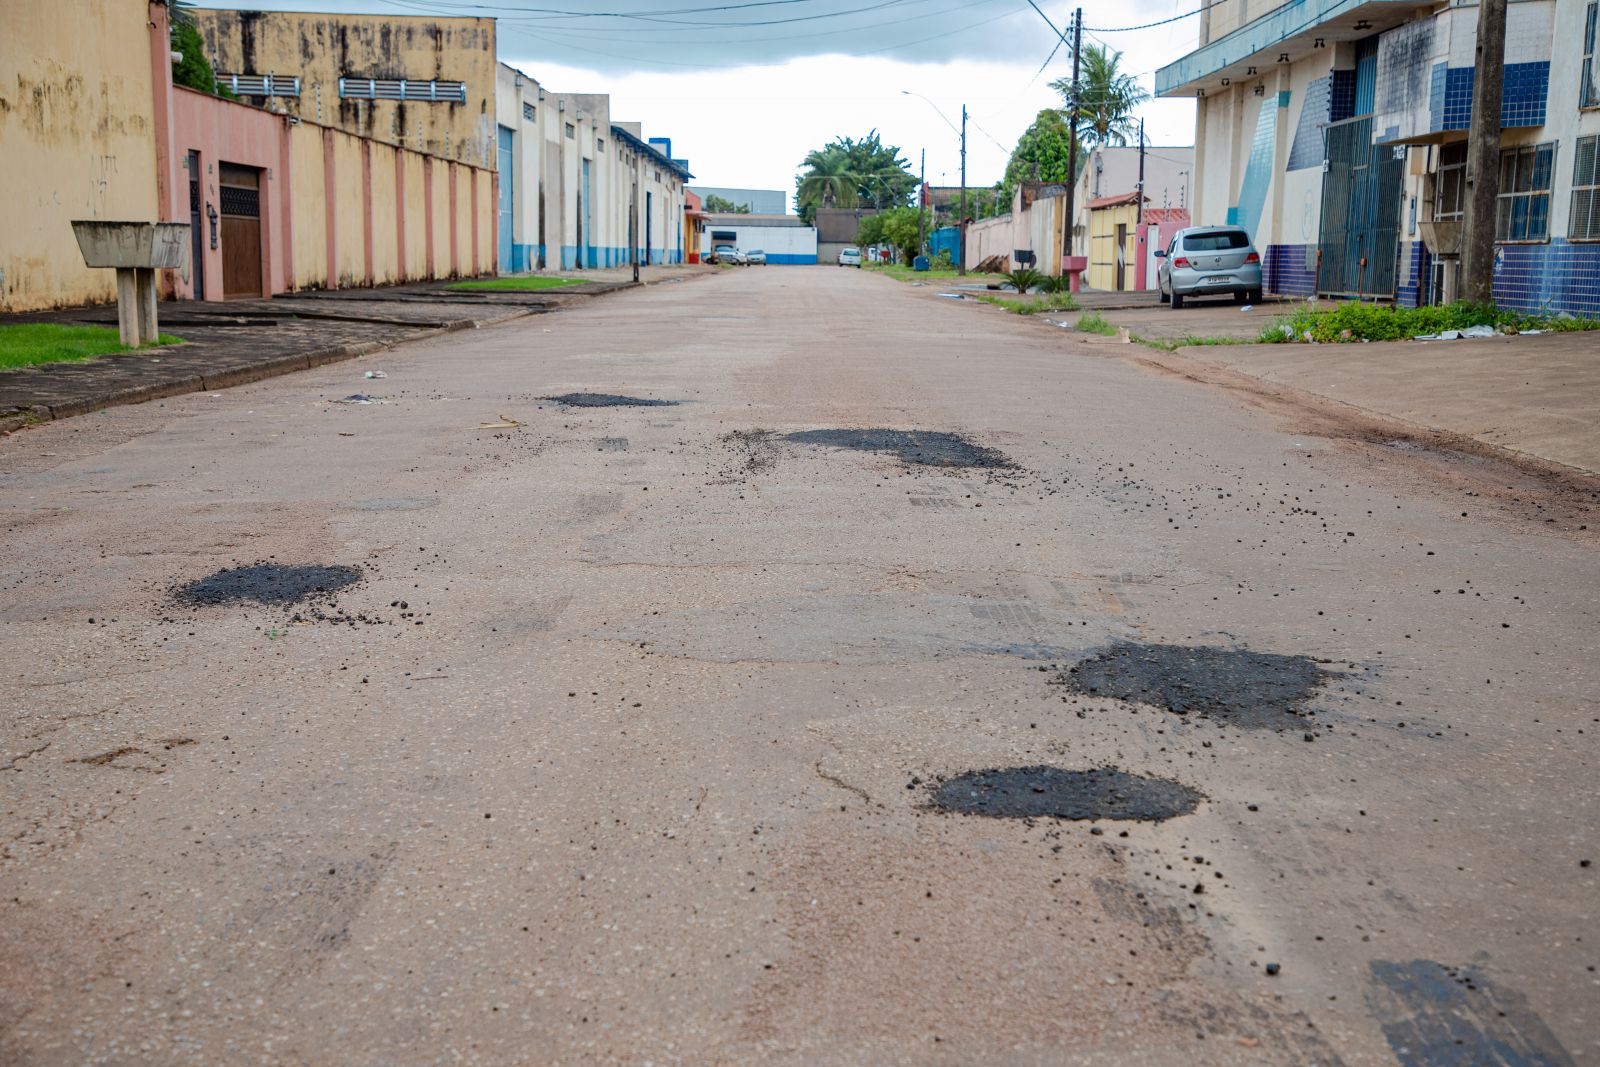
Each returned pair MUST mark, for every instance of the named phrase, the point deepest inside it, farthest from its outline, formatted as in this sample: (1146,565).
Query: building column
(330,197)
(427,215)
(366,208)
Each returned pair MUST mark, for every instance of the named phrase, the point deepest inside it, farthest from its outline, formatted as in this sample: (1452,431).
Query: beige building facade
(425,84)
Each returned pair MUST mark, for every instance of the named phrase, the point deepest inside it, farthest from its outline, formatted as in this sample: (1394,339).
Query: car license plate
(1218,279)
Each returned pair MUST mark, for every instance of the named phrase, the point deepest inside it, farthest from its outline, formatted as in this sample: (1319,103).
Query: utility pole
(633,220)
(1483,155)
(961,223)
(1138,205)
(922,204)
(1072,145)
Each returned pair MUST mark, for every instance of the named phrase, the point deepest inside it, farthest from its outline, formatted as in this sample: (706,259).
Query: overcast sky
(745,89)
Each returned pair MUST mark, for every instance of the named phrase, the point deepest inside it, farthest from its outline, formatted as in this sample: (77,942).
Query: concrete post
(128,306)
(1483,155)
(145,284)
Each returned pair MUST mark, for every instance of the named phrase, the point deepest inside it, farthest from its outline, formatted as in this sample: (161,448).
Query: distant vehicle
(729,254)
(1209,261)
(756,256)
(850,257)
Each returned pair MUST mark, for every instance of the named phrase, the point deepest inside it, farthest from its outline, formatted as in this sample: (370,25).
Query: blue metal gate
(508,229)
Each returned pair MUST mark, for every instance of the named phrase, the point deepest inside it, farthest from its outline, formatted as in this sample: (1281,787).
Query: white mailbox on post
(136,250)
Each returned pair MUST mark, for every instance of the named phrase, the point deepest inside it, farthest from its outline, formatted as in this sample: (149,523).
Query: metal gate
(1362,187)
(507,160)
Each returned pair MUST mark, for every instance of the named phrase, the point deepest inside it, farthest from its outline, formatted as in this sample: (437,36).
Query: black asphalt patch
(1237,686)
(1035,792)
(268,583)
(929,448)
(607,400)
(1439,1016)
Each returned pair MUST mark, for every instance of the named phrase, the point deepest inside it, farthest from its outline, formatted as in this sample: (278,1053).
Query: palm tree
(830,182)
(1107,98)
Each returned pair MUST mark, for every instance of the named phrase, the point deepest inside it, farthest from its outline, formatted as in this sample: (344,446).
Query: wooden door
(241,231)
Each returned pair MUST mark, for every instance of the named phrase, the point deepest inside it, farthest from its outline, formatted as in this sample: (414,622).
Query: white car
(850,257)
(756,256)
(730,254)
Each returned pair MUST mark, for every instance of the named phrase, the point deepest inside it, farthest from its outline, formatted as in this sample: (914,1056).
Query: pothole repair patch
(268,583)
(1050,792)
(607,400)
(928,448)
(1258,690)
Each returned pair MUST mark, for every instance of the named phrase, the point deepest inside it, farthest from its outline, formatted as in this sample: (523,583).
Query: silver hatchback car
(1209,261)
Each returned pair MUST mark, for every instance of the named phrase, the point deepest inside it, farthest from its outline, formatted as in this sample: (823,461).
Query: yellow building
(1113,243)
(79,142)
(423,83)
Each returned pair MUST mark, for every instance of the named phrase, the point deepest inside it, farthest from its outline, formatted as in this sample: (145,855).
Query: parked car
(756,256)
(850,257)
(729,254)
(1209,261)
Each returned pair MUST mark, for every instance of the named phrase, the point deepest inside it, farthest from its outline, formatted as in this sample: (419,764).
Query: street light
(961,227)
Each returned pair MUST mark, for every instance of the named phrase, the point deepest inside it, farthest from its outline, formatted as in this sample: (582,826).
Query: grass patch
(1031,305)
(530,283)
(1094,322)
(1172,344)
(903,273)
(27,344)
(1355,321)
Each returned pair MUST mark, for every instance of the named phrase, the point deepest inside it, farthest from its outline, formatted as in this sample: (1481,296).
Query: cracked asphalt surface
(625,745)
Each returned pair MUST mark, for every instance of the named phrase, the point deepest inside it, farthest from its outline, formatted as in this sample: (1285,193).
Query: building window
(1524,209)
(402,89)
(528,113)
(1588,90)
(1584,225)
(572,131)
(260,84)
(599,145)
(1450,184)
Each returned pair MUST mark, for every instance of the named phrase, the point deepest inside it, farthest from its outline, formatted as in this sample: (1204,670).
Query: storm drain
(1237,686)
(607,400)
(268,583)
(1040,792)
(929,448)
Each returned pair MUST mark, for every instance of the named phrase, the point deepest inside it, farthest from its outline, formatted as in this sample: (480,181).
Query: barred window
(1450,185)
(260,84)
(1524,208)
(1588,89)
(528,113)
(1584,225)
(572,131)
(402,89)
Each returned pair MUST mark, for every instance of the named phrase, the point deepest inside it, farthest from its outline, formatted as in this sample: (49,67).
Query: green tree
(898,227)
(723,205)
(194,69)
(1042,155)
(848,171)
(1107,98)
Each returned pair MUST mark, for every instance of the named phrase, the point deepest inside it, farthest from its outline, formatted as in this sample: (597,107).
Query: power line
(1152,25)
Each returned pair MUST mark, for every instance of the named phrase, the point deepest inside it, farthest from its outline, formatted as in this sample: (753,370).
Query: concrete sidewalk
(240,341)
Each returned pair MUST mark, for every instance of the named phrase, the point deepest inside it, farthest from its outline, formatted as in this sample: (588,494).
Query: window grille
(528,113)
(402,89)
(1584,223)
(260,84)
(1524,209)
(1450,185)
(1588,89)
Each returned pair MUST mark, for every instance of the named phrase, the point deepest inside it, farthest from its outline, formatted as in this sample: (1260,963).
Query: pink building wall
(226,132)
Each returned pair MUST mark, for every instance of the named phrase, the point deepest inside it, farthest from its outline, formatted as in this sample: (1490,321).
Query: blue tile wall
(1412,275)
(1342,98)
(1559,276)
(1286,272)
(1522,102)
(1258,170)
(1439,77)
(1307,148)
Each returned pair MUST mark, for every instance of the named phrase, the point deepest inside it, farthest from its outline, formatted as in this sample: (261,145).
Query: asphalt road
(627,744)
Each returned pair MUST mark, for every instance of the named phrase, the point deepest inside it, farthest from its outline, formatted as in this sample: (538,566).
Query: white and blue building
(569,175)
(1335,132)
(786,239)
